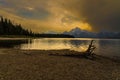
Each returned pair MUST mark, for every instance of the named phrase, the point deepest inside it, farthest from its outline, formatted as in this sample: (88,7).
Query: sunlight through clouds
(29,8)
(60,15)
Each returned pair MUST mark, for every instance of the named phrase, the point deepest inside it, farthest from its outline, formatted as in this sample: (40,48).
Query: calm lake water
(106,47)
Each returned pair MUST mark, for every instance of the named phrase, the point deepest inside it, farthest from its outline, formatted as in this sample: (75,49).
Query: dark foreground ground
(39,65)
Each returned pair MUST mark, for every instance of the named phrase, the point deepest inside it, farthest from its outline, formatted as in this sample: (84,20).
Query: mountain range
(78,33)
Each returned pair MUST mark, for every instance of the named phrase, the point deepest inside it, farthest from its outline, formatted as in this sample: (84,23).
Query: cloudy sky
(63,15)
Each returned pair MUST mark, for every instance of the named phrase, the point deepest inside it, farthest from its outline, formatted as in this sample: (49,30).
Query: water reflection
(107,47)
(50,44)
(12,43)
(46,44)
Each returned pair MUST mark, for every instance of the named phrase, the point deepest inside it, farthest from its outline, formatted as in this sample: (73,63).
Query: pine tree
(8,28)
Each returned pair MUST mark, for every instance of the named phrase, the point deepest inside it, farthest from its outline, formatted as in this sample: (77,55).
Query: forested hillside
(8,28)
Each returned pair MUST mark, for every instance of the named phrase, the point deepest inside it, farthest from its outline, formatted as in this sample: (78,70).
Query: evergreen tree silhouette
(8,28)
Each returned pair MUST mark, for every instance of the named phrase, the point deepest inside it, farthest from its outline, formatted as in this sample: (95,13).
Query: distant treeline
(54,36)
(8,28)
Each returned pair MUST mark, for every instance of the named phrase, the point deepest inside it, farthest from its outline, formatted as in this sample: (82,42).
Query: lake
(106,47)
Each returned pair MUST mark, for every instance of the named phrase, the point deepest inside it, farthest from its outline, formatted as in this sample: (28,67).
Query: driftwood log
(90,50)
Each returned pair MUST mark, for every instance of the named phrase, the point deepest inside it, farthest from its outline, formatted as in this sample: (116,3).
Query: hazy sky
(63,15)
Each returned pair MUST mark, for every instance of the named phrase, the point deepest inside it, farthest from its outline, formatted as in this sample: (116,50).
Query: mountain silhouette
(78,33)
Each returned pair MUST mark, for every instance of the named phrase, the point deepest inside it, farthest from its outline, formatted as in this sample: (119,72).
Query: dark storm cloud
(102,14)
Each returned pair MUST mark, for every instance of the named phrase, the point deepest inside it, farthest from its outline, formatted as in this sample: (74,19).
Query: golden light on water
(54,44)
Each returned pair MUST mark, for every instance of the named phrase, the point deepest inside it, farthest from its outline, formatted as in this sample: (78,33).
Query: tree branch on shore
(90,50)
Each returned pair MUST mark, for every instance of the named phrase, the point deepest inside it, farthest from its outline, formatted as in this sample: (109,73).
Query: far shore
(41,65)
(7,38)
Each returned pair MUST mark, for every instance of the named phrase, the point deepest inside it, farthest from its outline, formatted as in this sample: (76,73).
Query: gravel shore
(39,65)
